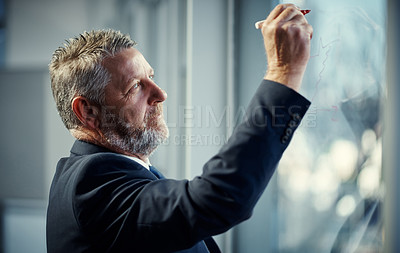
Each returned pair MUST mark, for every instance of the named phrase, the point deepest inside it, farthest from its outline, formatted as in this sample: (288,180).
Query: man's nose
(157,95)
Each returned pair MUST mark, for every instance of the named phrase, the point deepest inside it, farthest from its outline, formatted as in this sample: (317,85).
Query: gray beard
(134,140)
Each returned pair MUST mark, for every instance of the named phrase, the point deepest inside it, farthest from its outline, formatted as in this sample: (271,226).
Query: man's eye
(133,88)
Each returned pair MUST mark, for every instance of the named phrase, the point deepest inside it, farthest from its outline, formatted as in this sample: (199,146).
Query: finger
(260,23)
(277,11)
(299,19)
(303,28)
(305,31)
(310,30)
(290,13)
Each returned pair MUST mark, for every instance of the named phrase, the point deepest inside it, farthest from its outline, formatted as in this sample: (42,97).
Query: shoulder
(80,174)
(106,161)
(102,167)
(106,180)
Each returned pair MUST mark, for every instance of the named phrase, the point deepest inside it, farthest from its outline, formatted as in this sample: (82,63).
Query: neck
(98,139)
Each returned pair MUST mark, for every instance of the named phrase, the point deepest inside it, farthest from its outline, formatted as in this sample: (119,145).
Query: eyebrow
(135,77)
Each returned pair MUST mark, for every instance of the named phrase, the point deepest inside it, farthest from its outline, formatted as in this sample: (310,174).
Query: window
(329,180)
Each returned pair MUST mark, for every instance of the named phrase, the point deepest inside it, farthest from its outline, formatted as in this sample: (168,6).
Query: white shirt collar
(141,162)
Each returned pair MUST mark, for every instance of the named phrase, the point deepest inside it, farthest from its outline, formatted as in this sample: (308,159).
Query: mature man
(106,197)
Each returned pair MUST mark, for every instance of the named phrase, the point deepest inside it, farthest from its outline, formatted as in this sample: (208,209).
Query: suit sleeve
(131,207)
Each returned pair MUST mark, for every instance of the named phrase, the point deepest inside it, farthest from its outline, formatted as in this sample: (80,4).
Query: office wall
(23,226)
(36,28)
(22,165)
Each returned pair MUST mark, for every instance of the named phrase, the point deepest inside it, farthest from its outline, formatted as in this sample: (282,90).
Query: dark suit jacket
(101,201)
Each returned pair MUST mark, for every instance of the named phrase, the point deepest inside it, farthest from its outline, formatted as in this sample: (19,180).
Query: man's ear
(86,112)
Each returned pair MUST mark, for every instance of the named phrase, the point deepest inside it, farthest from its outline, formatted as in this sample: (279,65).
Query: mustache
(155,111)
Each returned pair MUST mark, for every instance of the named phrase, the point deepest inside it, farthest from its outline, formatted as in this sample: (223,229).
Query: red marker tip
(305,11)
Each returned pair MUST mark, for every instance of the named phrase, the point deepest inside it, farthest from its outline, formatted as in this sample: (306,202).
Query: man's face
(133,117)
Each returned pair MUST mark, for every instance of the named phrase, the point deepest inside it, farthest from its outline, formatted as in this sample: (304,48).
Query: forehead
(127,64)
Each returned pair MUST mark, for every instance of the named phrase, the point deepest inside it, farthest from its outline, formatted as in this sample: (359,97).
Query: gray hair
(76,69)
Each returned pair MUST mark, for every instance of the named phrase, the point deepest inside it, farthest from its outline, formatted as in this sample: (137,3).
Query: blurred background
(327,194)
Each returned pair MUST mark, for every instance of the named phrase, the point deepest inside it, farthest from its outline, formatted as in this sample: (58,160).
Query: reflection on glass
(330,188)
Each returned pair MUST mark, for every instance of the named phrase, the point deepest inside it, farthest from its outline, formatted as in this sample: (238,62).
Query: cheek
(131,114)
